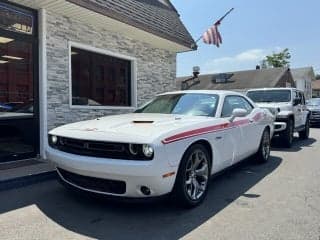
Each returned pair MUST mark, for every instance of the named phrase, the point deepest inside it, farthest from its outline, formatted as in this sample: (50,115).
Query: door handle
(250,120)
(218,138)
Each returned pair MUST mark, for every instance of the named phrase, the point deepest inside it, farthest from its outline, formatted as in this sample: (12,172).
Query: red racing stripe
(195,132)
(210,129)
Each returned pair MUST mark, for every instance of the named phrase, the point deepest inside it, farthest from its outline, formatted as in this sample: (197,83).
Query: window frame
(224,100)
(133,82)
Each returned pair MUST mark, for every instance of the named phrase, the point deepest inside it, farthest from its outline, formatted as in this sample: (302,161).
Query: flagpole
(218,21)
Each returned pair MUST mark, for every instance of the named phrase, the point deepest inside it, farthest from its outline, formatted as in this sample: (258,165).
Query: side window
(246,105)
(302,98)
(233,102)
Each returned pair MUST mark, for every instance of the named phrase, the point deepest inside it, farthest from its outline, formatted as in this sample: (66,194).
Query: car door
(246,133)
(304,110)
(225,143)
(297,108)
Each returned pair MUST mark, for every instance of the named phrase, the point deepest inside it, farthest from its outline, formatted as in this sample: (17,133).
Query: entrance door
(19,128)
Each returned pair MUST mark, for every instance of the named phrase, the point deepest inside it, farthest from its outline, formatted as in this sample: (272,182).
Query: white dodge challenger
(170,145)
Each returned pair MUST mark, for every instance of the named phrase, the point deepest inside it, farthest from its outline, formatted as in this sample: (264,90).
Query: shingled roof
(158,17)
(242,80)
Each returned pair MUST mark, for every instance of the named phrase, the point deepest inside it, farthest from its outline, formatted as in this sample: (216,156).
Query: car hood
(133,128)
(313,108)
(274,107)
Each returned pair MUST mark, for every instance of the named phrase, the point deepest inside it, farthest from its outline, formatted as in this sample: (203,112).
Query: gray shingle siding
(150,16)
(263,78)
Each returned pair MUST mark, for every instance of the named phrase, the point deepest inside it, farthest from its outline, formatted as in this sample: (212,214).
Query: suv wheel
(304,134)
(192,180)
(287,136)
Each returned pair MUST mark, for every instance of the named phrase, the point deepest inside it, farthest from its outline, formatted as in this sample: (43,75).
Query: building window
(100,80)
(15,20)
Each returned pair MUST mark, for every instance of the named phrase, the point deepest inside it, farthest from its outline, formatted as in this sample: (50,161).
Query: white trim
(43,118)
(133,89)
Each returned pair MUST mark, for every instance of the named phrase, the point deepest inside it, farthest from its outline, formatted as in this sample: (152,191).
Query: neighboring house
(70,60)
(303,78)
(316,88)
(241,81)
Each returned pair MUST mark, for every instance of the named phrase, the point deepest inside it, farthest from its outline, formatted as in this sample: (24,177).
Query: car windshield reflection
(192,104)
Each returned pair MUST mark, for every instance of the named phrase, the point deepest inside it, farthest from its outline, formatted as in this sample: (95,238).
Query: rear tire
(304,134)
(263,153)
(287,136)
(192,180)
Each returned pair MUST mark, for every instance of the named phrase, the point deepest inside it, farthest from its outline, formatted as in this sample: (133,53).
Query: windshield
(192,104)
(313,102)
(270,95)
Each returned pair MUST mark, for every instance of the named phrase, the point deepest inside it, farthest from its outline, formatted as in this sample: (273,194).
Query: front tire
(263,153)
(304,134)
(192,180)
(287,136)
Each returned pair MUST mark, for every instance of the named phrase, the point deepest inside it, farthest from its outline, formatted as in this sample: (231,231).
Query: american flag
(212,35)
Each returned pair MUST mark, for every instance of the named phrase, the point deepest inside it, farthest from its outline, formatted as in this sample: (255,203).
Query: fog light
(145,190)
(54,139)
(147,150)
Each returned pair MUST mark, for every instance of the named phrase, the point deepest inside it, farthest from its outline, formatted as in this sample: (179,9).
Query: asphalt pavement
(277,200)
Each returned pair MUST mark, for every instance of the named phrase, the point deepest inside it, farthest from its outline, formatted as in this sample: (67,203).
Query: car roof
(218,92)
(266,89)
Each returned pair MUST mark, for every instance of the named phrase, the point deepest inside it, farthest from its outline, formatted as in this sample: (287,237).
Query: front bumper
(314,118)
(135,174)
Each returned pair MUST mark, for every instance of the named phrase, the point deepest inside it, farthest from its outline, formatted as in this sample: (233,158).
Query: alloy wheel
(197,173)
(266,145)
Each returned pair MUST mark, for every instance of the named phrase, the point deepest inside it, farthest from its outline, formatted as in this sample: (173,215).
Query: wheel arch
(207,145)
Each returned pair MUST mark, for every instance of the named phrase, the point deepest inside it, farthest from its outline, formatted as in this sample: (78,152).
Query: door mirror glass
(238,112)
(296,101)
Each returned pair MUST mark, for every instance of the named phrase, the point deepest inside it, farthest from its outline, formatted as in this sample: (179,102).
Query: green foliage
(318,76)
(280,59)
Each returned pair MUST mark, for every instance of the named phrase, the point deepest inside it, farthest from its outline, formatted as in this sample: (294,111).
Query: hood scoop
(142,121)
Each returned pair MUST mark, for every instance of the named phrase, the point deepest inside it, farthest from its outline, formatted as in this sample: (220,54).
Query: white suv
(289,108)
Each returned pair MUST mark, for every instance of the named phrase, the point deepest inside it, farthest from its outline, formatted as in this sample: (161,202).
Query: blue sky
(253,30)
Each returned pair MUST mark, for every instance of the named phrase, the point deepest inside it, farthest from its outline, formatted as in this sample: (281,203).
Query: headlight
(147,150)
(54,139)
(134,149)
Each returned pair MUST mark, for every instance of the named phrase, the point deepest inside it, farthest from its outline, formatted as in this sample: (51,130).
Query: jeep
(289,108)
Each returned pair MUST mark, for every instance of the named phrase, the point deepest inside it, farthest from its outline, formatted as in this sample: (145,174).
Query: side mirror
(238,112)
(296,101)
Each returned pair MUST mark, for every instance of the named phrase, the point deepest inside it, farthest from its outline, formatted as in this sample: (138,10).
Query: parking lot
(277,200)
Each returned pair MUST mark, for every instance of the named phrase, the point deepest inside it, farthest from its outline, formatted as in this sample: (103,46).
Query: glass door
(19,133)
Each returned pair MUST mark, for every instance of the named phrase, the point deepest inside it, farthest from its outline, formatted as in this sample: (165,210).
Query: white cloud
(242,61)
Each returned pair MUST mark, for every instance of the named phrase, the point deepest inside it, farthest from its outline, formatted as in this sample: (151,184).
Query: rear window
(270,96)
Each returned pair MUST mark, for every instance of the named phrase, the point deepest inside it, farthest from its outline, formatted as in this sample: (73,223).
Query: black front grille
(97,149)
(92,183)
(315,113)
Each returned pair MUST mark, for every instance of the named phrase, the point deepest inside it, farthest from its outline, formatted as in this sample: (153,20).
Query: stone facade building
(85,59)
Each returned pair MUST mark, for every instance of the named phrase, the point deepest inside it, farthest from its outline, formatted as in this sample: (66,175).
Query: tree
(317,76)
(280,59)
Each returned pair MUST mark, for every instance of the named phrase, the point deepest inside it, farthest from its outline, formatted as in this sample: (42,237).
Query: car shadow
(297,145)
(159,219)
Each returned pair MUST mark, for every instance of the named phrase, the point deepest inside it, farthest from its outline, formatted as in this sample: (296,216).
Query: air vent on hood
(138,121)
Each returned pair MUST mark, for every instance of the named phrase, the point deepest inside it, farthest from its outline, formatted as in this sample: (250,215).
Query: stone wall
(156,68)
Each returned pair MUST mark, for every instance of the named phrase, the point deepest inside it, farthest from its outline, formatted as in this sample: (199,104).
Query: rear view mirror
(238,112)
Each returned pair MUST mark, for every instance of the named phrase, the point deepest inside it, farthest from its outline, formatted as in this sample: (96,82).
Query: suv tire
(304,134)
(287,135)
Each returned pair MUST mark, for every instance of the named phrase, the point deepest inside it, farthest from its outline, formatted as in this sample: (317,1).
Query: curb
(27,180)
